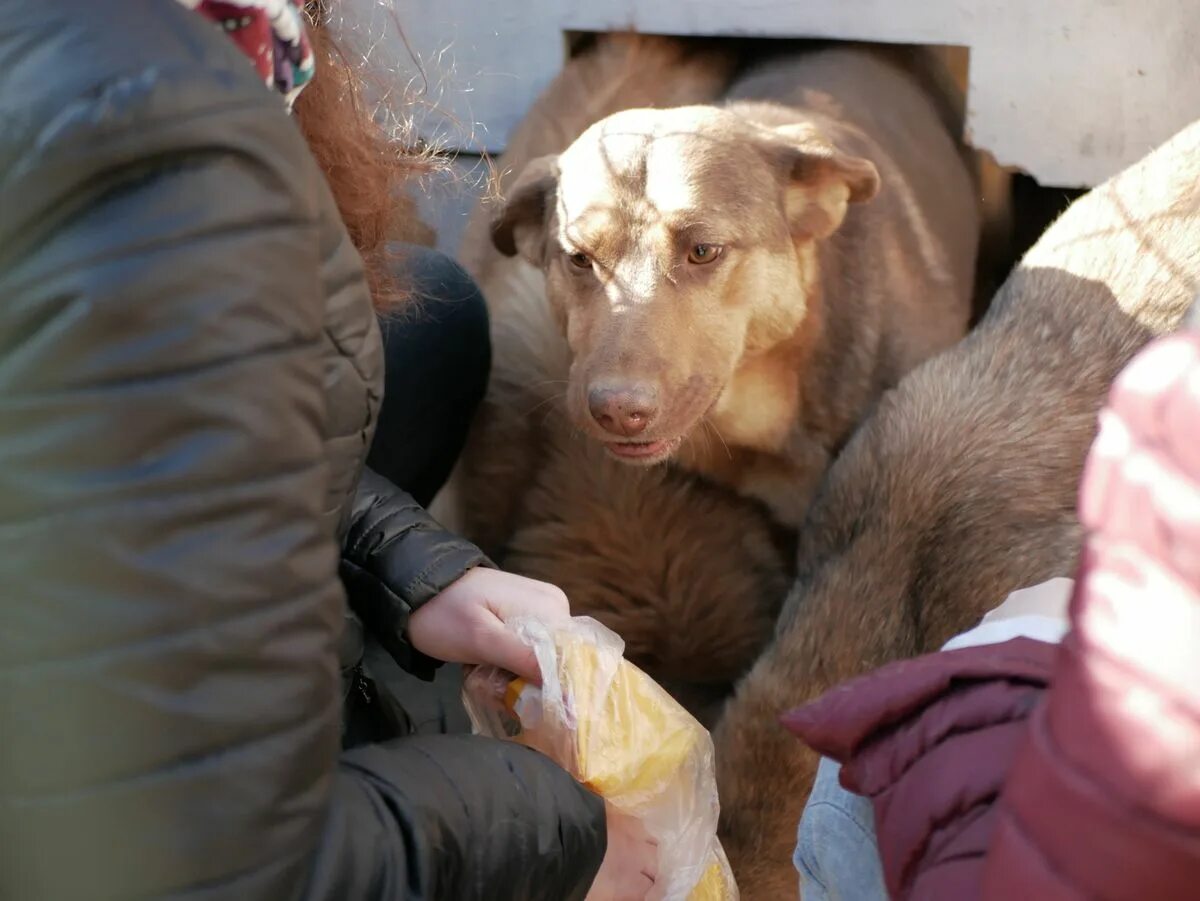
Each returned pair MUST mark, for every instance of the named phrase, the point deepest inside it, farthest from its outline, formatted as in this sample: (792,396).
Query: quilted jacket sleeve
(395,558)
(1112,755)
(169,605)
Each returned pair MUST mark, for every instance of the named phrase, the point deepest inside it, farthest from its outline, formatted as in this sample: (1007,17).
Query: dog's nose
(626,410)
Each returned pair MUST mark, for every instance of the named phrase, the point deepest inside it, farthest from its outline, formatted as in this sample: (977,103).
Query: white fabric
(1038,612)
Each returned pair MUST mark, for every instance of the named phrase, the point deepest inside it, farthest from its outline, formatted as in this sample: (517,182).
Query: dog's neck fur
(777,424)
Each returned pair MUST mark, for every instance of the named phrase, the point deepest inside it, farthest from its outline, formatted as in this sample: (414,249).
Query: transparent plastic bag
(619,733)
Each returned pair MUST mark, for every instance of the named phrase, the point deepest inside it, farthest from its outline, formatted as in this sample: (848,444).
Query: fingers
(500,647)
(647,875)
(469,621)
(520,598)
(555,603)
(650,860)
(528,597)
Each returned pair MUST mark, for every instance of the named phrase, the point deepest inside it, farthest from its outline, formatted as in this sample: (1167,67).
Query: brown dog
(690,574)
(961,486)
(738,283)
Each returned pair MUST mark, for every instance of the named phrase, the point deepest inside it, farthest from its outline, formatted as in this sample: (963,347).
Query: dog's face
(675,244)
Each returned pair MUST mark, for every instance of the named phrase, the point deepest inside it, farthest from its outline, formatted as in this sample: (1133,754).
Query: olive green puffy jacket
(189,372)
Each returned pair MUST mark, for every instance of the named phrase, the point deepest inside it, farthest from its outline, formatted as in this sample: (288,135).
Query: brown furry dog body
(961,487)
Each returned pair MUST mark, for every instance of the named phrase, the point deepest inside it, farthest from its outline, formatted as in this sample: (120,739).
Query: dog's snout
(623,410)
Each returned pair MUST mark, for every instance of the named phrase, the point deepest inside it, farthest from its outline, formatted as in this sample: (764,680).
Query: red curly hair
(367,169)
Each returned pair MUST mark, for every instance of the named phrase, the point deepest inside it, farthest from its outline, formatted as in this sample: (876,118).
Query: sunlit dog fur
(961,487)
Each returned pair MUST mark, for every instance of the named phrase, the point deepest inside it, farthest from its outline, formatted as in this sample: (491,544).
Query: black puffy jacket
(189,373)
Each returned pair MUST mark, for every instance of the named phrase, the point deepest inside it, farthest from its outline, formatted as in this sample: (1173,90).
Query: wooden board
(1070,91)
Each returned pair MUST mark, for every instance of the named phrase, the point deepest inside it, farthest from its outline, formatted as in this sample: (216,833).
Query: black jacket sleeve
(394,559)
(169,600)
(410,824)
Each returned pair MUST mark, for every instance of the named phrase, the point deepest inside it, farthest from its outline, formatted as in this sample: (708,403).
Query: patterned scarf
(271,33)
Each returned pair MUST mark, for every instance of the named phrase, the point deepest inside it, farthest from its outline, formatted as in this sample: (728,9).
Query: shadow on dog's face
(676,244)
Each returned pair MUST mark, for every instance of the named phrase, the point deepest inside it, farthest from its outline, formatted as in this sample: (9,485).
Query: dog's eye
(580,260)
(704,253)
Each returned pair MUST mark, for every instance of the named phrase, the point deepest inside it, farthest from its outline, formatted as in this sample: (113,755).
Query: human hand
(466,623)
(630,866)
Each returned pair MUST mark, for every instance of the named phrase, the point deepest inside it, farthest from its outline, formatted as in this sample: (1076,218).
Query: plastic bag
(619,733)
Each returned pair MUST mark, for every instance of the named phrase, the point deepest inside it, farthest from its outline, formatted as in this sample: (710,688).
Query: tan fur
(822,294)
(620,72)
(690,575)
(961,487)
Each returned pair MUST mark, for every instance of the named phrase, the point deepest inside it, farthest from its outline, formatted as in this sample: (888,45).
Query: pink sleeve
(1103,800)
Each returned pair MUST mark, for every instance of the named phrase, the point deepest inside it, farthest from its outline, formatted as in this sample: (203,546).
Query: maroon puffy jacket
(930,742)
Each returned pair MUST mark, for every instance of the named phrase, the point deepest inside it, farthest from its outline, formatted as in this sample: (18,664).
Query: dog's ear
(520,225)
(821,179)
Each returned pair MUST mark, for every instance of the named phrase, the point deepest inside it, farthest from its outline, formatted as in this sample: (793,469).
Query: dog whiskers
(717,432)
(542,403)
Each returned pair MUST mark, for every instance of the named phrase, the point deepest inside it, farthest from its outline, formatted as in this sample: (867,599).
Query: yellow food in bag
(638,739)
(618,732)
(716,884)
